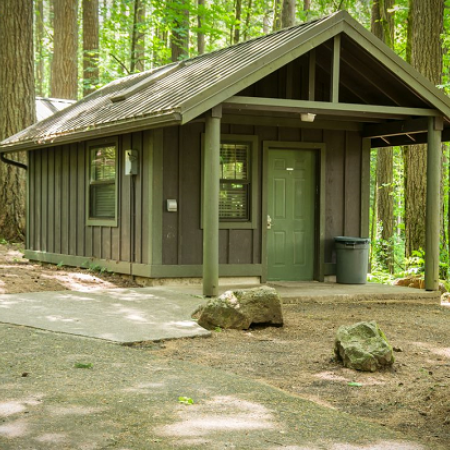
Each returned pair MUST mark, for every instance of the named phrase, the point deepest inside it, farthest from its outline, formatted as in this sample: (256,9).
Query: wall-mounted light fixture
(307,117)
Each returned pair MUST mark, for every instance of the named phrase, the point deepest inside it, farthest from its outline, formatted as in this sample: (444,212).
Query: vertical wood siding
(58,183)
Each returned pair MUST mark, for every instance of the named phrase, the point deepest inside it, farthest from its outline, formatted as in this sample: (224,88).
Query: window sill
(102,223)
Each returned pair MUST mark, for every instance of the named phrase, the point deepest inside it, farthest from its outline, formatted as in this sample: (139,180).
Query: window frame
(101,221)
(253,183)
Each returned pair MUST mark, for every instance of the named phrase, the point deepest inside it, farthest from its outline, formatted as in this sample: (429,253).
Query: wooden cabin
(244,162)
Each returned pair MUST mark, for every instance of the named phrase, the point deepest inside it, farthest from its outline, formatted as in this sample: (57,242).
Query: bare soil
(413,397)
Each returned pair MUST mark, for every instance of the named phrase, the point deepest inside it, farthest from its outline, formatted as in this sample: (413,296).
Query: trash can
(352,259)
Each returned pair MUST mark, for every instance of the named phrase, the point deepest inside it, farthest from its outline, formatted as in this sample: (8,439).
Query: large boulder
(241,308)
(363,346)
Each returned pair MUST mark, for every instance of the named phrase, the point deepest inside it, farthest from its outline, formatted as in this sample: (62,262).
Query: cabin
(244,162)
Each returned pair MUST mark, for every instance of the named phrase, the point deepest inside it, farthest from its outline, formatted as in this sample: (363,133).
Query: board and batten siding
(57,209)
(182,233)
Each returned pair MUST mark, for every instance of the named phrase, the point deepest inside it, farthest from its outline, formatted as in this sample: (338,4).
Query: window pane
(103,163)
(103,201)
(233,201)
(234,161)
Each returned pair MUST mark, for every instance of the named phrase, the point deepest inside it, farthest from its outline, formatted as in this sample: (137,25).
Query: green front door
(290,220)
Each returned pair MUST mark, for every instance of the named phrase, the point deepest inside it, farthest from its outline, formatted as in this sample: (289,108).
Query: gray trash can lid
(351,240)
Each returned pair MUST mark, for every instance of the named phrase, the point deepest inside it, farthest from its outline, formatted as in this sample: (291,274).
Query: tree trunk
(138,38)
(90,46)
(64,79)
(17,98)
(247,20)
(179,42)
(200,32)
(288,13)
(425,25)
(237,26)
(277,14)
(382,26)
(39,50)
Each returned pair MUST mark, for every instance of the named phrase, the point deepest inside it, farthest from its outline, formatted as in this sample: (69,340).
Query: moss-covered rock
(241,308)
(363,346)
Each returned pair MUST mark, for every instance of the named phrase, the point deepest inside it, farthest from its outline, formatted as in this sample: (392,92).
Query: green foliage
(185,400)
(79,365)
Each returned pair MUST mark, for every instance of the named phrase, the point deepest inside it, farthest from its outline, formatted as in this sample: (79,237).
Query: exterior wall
(182,234)
(57,206)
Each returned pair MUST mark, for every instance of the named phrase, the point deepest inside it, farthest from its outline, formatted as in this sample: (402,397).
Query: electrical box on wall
(131,162)
(171,205)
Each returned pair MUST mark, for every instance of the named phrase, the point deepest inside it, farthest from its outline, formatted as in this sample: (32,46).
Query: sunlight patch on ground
(330,376)
(221,414)
(52,438)
(15,429)
(77,282)
(439,351)
(74,410)
(61,319)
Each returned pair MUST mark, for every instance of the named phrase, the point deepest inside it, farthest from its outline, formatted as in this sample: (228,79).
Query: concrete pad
(124,316)
(130,399)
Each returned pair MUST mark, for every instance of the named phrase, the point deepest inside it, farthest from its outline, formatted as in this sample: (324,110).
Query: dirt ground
(413,397)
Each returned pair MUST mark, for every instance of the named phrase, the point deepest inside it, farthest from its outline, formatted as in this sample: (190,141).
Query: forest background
(69,48)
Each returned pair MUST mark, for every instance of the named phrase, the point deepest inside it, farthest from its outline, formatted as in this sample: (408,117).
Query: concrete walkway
(128,316)
(124,316)
(60,392)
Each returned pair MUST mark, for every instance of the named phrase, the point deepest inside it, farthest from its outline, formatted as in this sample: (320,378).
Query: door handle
(269,222)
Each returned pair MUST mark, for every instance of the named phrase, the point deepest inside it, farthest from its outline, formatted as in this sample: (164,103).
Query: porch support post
(211,177)
(336,69)
(435,126)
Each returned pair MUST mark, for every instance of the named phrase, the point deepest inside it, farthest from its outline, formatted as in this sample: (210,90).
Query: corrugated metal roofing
(164,97)
(178,92)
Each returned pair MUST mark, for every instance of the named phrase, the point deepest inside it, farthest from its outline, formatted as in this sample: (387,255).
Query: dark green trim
(365,188)
(128,126)
(254,181)
(433,210)
(225,270)
(272,61)
(94,222)
(157,196)
(28,196)
(272,121)
(147,174)
(312,75)
(410,76)
(319,228)
(338,109)
(143,270)
(335,72)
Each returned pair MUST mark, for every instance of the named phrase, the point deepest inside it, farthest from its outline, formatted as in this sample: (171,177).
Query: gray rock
(363,346)
(241,308)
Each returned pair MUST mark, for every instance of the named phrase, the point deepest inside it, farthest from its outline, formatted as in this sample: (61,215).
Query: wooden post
(336,69)
(211,177)
(435,126)
(312,75)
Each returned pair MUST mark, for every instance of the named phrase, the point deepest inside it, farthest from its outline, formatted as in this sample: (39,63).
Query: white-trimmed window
(102,195)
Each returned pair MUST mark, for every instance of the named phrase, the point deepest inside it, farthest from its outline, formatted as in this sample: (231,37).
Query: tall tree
(277,7)
(64,76)
(90,46)
(38,44)
(200,23)
(424,52)
(237,23)
(288,13)
(17,98)
(382,25)
(178,11)
(138,38)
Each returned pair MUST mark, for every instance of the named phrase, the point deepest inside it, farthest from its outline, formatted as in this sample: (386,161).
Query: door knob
(269,222)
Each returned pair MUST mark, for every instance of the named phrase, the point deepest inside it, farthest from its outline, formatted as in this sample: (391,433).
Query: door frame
(319,202)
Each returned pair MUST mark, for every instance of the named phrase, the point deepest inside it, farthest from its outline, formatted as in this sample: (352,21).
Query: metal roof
(179,92)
